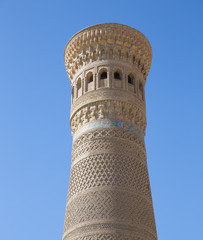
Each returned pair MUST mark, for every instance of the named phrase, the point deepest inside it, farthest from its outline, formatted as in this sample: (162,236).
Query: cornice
(107,41)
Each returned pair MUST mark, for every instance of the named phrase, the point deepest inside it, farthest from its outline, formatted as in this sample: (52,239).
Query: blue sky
(35,139)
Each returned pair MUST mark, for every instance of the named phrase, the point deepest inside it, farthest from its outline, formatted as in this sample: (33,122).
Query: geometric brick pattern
(138,235)
(110,205)
(113,236)
(108,139)
(109,132)
(109,186)
(119,95)
(109,196)
(107,169)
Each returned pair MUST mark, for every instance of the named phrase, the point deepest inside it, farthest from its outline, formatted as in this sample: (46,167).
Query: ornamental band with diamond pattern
(109,195)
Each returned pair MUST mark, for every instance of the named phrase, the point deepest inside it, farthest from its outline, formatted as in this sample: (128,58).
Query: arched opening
(103,77)
(89,82)
(79,83)
(131,82)
(89,77)
(79,88)
(131,79)
(117,78)
(117,75)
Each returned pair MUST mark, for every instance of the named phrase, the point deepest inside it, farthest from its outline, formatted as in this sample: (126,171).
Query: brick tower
(109,195)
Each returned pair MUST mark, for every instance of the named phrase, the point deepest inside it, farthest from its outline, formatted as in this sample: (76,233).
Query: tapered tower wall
(109,193)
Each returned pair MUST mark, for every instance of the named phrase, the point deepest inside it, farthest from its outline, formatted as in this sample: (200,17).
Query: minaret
(109,195)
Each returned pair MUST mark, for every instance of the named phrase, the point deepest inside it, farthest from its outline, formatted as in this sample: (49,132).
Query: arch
(117,78)
(79,83)
(89,77)
(79,87)
(131,79)
(89,81)
(103,74)
(103,77)
(117,74)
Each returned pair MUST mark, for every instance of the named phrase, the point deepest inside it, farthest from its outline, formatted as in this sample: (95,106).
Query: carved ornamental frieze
(108,40)
(112,110)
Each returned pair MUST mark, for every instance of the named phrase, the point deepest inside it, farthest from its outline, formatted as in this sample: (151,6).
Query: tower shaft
(109,193)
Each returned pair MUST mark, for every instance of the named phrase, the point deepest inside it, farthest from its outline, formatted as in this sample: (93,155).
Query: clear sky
(35,139)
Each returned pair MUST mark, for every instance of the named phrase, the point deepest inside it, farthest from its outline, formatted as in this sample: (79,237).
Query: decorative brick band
(108,123)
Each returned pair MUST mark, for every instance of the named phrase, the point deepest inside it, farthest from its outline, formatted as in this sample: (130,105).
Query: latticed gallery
(109,196)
